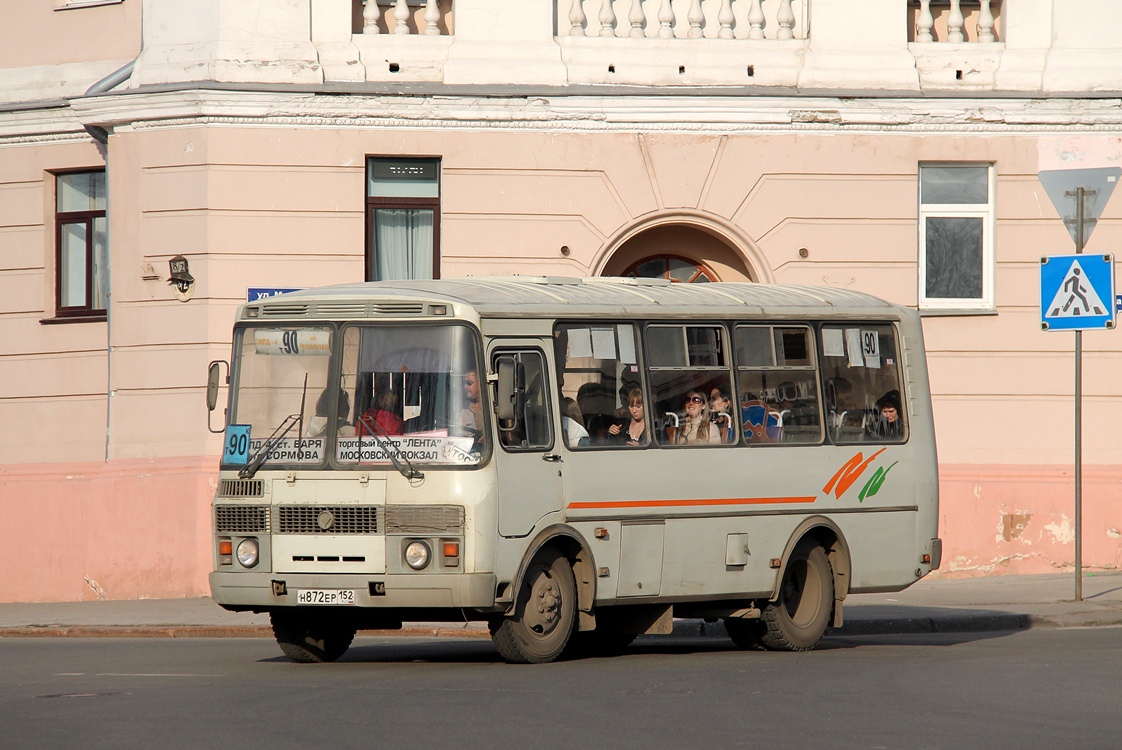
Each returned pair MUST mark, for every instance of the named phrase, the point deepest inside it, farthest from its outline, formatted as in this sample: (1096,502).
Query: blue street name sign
(1075,292)
(255,293)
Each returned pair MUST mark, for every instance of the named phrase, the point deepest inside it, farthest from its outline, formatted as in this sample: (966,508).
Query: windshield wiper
(394,452)
(258,458)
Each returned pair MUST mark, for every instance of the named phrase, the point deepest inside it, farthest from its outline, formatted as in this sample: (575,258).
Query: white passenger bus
(572,461)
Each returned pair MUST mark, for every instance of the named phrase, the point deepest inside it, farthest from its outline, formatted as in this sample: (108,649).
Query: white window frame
(987,213)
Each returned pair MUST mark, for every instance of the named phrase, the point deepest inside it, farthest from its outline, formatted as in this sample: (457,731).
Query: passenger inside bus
(631,432)
(719,405)
(572,423)
(886,424)
(317,425)
(696,428)
(382,417)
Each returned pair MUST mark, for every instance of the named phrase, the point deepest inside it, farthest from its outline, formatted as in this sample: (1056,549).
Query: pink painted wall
(997,520)
(117,530)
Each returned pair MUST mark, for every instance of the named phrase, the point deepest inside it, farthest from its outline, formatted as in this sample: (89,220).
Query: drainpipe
(99,134)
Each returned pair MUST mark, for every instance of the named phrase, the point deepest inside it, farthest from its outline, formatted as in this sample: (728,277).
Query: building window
(956,228)
(673,267)
(81,246)
(402,219)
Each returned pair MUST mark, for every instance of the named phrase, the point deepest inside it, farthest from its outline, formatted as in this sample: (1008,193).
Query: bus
(573,461)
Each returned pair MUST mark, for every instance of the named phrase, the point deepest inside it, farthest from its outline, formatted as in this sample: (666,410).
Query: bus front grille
(424,519)
(241,519)
(327,519)
(241,488)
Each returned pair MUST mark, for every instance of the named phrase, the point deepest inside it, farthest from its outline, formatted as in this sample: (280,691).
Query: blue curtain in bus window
(402,243)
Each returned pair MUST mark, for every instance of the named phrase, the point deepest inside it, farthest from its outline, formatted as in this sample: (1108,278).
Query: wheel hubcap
(543,610)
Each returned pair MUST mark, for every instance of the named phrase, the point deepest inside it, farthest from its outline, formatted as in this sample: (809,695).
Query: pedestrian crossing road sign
(1076,292)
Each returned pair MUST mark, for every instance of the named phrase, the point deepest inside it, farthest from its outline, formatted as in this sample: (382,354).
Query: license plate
(325,596)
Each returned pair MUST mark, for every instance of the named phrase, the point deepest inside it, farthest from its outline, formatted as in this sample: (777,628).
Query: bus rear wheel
(310,640)
(797,620)
(544,614)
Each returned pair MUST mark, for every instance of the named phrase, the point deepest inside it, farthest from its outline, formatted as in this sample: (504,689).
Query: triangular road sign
(1076,296)
(1097,184)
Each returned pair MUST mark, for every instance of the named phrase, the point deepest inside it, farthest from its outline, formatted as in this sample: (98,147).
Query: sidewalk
(930,606)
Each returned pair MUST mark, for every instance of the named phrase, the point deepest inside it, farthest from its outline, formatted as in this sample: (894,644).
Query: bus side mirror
(511,397)
(213,382)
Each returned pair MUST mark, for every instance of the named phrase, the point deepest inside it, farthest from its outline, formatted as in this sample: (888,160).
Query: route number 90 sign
(297,341)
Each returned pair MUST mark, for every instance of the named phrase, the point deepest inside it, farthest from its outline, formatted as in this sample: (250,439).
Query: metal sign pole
(1078,418)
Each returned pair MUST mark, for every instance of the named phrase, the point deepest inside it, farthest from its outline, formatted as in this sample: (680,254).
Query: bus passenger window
(863,387)
(598,373)
(691,386)
(778,384)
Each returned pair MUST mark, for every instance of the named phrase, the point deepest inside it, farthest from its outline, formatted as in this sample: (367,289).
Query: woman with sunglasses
(696,429)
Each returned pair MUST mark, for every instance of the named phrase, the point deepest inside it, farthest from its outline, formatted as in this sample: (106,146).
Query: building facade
(884,146)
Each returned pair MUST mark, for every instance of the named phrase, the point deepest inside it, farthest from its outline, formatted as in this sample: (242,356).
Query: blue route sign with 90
(1076,292)
(236,449)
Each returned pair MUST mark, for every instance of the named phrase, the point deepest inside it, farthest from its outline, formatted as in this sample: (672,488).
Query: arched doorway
(679,252)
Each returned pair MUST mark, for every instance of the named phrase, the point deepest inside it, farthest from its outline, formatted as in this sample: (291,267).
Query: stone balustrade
(955,21)
(951,21)
(405,17)
(684,19)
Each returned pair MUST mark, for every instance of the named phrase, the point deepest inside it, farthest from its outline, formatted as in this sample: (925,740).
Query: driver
(472,416)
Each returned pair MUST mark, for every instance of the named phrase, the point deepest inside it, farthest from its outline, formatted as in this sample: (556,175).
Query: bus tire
(311,641)
(746,634)
(797,620)
(544,615)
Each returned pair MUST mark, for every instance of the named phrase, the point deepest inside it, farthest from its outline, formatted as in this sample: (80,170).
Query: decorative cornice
(632,113)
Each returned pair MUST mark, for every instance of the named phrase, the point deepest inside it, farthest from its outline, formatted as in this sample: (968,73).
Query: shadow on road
(446,650)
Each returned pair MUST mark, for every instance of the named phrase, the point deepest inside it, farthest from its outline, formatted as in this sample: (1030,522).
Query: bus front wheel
(797,620)
(544,614)
(311,640)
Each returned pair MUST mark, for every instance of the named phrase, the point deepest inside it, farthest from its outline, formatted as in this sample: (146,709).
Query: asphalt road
(1046,688)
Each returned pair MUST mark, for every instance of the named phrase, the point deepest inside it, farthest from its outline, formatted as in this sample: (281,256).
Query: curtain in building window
(402,243)
(72,275)
(100,264)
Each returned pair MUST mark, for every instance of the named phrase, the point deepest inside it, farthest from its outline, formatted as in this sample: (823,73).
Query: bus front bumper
(243,590)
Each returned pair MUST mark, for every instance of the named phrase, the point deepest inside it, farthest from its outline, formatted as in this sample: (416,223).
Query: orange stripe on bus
(688,503)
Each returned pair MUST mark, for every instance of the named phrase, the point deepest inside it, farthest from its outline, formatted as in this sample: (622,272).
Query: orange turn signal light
(451,549)
(226,547)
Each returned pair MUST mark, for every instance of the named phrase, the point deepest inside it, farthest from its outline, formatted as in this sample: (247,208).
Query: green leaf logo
(872,487)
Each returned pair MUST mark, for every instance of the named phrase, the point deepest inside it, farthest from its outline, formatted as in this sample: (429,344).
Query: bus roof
(517,296)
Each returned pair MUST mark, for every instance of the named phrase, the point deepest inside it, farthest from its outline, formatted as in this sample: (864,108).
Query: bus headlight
(248,552)
(417,554)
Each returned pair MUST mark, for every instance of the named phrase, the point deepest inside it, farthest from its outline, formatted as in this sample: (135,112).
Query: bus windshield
(280,374)
(396,396)
(417,396)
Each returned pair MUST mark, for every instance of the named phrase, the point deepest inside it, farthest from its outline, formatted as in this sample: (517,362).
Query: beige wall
(263,205)
(42,33)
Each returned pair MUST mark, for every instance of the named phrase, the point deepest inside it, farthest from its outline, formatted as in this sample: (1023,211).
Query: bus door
(528,460)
